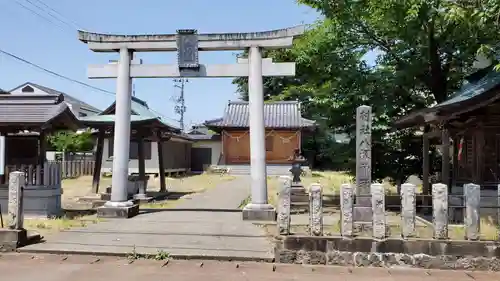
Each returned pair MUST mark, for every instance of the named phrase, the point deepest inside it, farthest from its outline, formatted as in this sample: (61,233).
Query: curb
(123,255)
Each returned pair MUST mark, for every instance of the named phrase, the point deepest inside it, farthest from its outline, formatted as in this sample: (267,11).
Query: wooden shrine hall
(146,126)
(26,121)
(468,125)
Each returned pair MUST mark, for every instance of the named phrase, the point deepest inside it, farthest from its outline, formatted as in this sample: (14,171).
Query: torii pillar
(188,43)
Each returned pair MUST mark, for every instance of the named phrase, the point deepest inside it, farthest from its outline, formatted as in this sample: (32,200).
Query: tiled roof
(67,97)
(141,113)
(473,89)
(468,92)
(202,133)
(30,109)
(280,114)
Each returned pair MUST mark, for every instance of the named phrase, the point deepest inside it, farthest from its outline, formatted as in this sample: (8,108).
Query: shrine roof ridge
(86,36)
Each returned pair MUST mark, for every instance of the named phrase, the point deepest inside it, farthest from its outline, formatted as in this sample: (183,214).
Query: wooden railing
(36,175)
(76,168)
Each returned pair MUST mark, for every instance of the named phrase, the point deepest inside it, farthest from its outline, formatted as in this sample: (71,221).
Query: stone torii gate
(187,44)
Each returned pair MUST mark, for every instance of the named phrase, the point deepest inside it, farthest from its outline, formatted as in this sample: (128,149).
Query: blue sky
(54,45)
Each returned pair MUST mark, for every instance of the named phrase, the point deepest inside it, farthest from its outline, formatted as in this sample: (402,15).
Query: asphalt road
(27,267)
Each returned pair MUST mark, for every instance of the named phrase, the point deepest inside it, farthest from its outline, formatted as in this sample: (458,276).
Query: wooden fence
(438,202)
(76,168)
(37,175)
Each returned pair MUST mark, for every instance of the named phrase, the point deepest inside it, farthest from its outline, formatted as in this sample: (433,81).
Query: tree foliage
(422,51)
(68,141)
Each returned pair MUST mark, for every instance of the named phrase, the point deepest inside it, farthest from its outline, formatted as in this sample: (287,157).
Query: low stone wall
(39,201)
(364,252)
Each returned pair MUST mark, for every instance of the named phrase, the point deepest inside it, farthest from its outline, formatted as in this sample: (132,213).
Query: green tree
(422,55)
(418,38)
(68,141)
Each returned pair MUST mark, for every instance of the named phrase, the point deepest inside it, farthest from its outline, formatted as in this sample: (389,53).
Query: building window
(28,89)
(269,143)
(134,149)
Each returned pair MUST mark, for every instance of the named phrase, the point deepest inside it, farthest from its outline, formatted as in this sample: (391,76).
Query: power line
(75,25)
(35,13)
(70,79)
(48,13)
(55,73)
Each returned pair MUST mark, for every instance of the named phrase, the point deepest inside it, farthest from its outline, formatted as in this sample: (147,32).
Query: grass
(53,225)
(330,181)
(82,186)
(160,204)
(73,189)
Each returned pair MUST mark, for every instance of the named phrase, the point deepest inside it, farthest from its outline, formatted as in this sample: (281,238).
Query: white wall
(216,147)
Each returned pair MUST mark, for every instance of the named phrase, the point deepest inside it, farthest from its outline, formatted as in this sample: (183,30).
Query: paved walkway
(186,232)
(75,268)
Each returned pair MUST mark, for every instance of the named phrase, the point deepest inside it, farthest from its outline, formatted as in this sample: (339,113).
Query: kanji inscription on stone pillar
(362,210)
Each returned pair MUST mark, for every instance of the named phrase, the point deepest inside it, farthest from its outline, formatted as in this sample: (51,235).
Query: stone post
(121,142)
(161,165)
(119,206)
(472,194)
(346,205)
(284,198)
(362,209)
(408,210)
(498,205)
(378,210)
(316,210)
(143,179)
(15,206)
(440,210)
(258,209)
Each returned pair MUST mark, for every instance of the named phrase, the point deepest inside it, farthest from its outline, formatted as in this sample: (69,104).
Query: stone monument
(14,235)
(362,208)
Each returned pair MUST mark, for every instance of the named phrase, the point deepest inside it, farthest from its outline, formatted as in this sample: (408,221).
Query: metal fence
(439,212)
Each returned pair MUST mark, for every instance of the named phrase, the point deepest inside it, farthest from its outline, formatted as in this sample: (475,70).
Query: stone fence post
(316,210)
(15,205)
(472,194)
(346,209)
(284,198)
(440,210)
(378,210)
(408,210)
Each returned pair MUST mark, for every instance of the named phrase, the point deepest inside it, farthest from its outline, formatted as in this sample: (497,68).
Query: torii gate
(188,43)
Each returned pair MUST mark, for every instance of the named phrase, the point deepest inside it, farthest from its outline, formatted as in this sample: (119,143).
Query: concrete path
(227,196)
(185,232)
(20,267)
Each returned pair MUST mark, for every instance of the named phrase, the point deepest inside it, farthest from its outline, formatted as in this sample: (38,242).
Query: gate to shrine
(187,44)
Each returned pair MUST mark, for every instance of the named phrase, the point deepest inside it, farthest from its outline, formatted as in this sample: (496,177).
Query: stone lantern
(297,161)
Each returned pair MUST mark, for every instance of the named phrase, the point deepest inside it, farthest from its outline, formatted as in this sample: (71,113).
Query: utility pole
(180,107)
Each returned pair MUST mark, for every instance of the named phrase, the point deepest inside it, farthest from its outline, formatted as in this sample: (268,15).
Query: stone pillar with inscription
(362,208)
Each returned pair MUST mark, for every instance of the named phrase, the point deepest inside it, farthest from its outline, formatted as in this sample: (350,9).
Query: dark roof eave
(73,124)
(153,122)
(221,127)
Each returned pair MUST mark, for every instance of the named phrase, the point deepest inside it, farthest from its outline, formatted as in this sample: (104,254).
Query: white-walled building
(78,107)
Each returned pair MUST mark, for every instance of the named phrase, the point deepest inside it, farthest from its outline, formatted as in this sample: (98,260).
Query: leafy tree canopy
(69,141)
(422,51)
